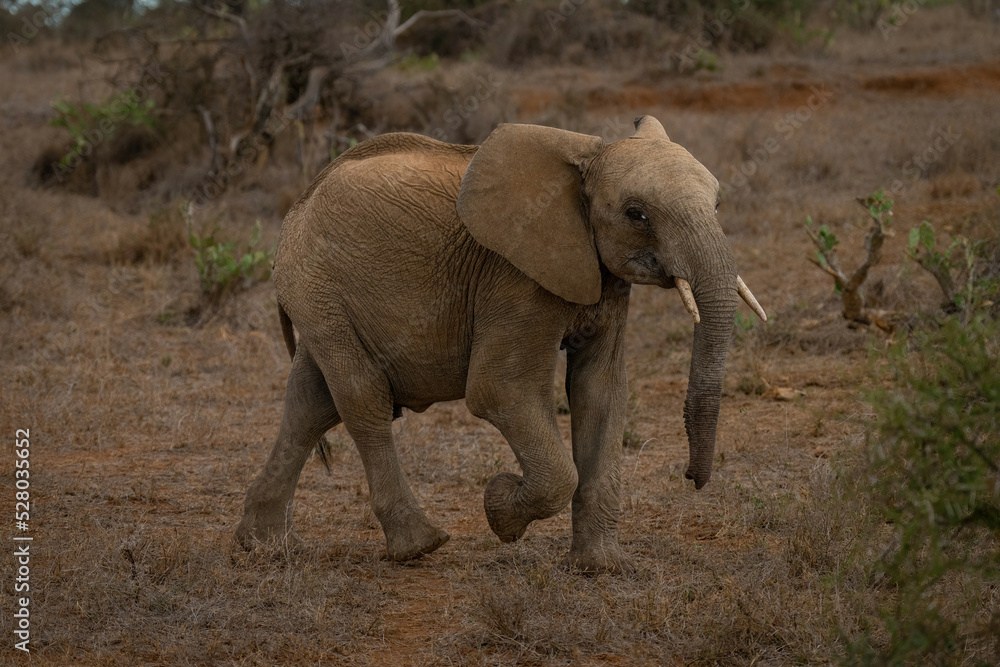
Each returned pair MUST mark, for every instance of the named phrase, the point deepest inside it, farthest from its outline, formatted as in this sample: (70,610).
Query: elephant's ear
(522,197)
(647,127)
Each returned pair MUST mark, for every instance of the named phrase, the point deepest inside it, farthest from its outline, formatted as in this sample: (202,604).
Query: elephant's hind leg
(364,401)
(309,413)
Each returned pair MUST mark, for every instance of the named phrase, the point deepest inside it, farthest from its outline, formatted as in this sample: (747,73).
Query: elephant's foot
(412,536)
(598,556)
(502,512)
(256,528)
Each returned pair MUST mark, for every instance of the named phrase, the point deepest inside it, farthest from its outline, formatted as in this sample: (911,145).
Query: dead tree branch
(850,287)
(239,21)
(213,144)
(393,28)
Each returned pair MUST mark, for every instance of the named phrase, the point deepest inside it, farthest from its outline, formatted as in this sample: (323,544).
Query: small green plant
(795,25)
(708,61)
(415,63)
(934,477)
(962,270)
(744,327)
(222,269)
(90,124)
(879,209)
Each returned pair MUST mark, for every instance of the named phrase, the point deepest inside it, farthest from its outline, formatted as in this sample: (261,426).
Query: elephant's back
(376,160)
(376,242)
(380,201)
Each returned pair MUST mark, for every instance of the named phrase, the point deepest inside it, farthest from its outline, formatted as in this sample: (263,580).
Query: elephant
(416,271)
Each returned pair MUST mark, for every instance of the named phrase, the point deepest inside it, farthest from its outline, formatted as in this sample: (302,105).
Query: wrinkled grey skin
(414,276)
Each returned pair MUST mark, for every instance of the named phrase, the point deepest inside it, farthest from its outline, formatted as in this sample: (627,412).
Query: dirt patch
(146,431)
(944,81)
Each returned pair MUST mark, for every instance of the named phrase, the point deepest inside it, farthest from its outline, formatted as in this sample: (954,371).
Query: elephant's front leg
(512,389)
(596,386)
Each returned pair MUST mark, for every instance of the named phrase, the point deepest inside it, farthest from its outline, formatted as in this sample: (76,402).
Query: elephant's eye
(636,215)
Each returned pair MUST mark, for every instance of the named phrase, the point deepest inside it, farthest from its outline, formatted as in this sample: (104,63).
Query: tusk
(744,291)
(687,298)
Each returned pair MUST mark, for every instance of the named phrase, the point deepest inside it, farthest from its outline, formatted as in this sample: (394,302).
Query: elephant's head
(558,205)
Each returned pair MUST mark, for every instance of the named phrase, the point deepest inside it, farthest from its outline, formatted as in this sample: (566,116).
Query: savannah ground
(150,411)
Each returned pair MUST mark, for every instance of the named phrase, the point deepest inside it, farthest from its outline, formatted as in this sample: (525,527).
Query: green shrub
(849,287)
(967,271)
(934,476)
(223,271)
(92,124)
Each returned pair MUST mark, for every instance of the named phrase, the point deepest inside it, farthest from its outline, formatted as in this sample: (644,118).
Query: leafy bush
(90,125)
(223,271)
(935,479)
(849,288)
(966,271)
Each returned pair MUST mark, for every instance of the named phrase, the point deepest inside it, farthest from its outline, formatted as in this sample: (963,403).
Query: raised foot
(413,538)
(501,511)
(600,558)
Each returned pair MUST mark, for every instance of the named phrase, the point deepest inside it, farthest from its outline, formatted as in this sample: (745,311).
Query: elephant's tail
(287,331)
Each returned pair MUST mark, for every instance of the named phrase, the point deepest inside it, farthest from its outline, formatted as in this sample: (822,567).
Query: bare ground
(146,431)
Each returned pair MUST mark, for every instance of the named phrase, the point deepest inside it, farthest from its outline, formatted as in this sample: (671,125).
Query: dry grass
(146,431)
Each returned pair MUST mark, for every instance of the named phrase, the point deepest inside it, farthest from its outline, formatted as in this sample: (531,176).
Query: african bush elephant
(417,271)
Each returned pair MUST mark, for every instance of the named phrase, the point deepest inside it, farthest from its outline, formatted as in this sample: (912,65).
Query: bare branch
(225,16)
(427,14)
(940,272)
(394,29)
(307,101)
(826,267)
(873,248)
(213,145)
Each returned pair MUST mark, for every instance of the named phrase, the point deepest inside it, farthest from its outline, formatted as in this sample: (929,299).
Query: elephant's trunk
(716,297)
